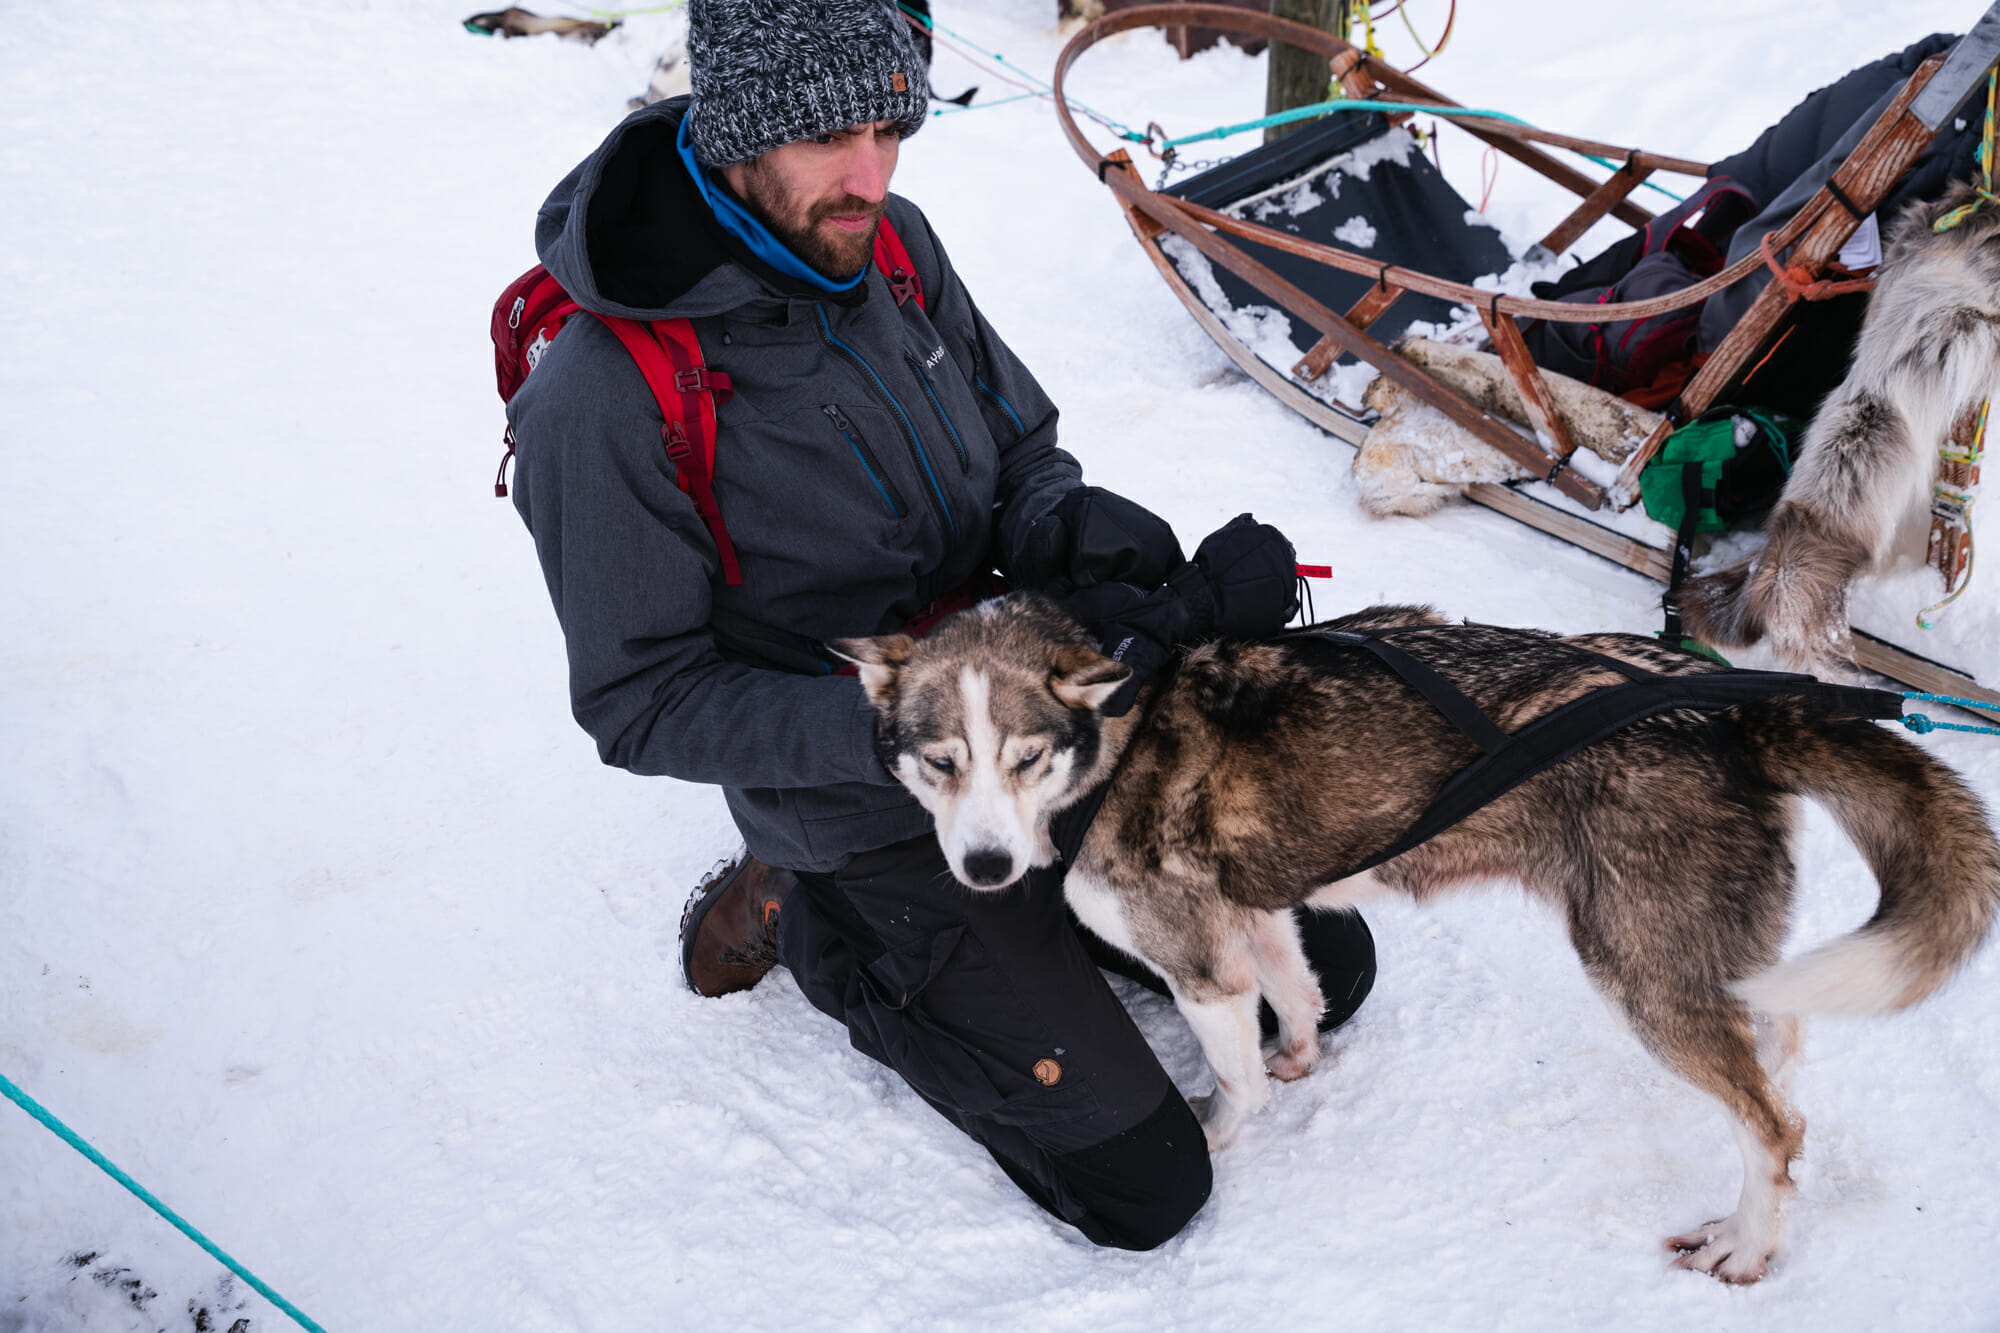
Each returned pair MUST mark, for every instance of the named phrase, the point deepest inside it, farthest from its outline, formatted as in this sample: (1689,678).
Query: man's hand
(1242,583)
(1094,537)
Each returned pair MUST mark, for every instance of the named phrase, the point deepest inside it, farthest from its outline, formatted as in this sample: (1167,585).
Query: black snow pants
(992,1008)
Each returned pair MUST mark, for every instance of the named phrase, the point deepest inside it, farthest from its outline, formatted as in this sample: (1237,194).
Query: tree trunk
(1297,78)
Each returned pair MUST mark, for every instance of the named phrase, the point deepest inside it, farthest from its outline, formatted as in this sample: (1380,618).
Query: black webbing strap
(1068,827)
(1444,696)
(1584,721)
(1693,496)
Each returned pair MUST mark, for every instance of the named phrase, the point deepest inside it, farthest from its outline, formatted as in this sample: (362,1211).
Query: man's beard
(833,251)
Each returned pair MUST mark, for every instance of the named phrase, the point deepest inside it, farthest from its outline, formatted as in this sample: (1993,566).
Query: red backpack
(532,311)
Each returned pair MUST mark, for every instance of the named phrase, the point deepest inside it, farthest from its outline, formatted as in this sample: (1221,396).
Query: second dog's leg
(1287,981)
(1222,1010)
(1709,1042)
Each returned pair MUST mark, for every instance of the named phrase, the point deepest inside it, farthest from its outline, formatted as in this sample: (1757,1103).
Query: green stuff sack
(1743,455)
(1725,466)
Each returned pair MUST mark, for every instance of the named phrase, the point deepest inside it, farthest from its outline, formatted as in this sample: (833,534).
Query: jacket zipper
(909,427)
(994,393)
(846,427)
(917,368)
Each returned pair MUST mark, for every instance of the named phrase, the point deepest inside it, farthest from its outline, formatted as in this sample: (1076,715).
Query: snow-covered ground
(319,916)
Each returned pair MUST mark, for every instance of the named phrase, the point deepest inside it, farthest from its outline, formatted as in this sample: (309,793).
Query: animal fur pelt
(516,22)
(1929,348)
(1415,458)
(1258,775)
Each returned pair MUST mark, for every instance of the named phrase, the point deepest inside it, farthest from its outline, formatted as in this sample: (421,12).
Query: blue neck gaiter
(744,225)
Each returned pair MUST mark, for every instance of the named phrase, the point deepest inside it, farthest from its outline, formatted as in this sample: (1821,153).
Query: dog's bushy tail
(1923,833)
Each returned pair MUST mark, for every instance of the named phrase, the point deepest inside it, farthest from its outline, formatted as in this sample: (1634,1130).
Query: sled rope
(1984,154)
(1168,146)
(616,14)
(1923,725)
(69,1136)
(1430,52)
(1020,78)
(1799,280)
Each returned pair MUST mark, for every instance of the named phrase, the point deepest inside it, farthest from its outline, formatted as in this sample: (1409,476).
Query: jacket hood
(626,233)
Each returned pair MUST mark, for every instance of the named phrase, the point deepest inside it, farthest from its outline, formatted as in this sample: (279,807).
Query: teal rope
(1923,725)
(69,1136)
(1370,104)
(1118,128)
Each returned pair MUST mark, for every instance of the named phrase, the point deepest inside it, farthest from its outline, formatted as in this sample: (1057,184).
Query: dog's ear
(1084,677)
(880,660)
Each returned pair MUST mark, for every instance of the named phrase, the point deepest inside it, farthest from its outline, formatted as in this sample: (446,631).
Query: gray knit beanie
(767,72)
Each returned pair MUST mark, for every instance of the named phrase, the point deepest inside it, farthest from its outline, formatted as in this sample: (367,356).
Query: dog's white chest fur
(1098,907)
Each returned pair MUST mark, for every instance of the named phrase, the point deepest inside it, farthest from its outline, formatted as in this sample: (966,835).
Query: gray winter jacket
(872,458)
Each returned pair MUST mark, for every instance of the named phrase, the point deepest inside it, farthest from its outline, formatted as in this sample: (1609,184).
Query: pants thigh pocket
(954,1027)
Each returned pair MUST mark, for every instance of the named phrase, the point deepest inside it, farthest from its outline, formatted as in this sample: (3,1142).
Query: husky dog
(1258,775)
(1929,349)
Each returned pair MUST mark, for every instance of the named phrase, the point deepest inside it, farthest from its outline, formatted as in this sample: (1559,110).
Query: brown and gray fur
(1258,775)
(1929,349)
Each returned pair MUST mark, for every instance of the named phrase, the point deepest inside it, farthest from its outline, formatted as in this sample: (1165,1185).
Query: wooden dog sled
(1308,278)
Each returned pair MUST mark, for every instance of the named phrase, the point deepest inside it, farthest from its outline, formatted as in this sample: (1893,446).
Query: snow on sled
(1341,272)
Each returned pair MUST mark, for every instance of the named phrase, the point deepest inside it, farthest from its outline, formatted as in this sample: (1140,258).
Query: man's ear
(1085,678)
(880,660)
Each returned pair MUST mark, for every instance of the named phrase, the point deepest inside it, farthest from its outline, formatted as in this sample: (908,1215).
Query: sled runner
(1350,235)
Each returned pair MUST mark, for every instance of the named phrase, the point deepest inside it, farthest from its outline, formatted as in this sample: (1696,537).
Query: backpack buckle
(694,381)
(903,285)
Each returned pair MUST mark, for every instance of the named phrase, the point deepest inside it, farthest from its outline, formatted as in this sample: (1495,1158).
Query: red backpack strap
(669,356)
(894,261)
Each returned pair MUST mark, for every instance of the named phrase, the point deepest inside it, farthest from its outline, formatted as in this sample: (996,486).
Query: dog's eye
(1028,761)
(942,763)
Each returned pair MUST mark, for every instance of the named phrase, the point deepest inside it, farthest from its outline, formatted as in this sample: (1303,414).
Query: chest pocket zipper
(917,369)
(890,495)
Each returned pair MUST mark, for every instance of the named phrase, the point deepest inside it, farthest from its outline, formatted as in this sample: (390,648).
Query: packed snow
(319,916)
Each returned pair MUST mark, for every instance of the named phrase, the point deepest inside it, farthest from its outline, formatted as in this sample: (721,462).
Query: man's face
(823,197)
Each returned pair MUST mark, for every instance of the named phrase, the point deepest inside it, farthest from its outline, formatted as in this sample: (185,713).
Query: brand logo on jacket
(937,355)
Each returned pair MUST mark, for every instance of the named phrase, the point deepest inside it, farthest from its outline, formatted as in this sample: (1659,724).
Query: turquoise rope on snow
(69,1136)
(1923,725)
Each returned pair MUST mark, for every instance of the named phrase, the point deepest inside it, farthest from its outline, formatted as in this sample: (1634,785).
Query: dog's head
(992,722)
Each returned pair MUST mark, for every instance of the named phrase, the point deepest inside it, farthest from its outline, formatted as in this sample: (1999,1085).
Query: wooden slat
(1540,408)
(1594,206)
(1499,435)
(1363,313)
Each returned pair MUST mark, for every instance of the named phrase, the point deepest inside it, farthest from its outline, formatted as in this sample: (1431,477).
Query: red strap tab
(1315,571)
(894,261)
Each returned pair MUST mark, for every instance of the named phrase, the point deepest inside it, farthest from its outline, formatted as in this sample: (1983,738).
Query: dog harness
(1508,759)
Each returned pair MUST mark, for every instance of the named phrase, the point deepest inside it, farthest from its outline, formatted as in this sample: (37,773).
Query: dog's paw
(1725,1250)
(1296,1060)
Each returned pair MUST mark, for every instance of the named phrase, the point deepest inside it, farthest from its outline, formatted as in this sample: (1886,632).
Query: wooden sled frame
(1814,235)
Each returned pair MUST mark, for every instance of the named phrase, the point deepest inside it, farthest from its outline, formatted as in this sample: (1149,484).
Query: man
(880,454)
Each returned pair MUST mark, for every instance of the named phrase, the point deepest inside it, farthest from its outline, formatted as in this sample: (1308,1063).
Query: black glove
(1243,582)
(1135,627)
(1093,536)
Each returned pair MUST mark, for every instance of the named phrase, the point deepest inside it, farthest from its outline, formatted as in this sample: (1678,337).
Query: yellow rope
(1985,158)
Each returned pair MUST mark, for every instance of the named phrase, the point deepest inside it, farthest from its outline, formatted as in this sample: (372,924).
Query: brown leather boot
(729,930)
